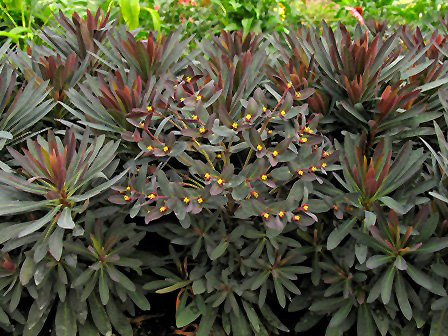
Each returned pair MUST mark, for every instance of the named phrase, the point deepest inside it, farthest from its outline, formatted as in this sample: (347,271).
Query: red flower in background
(357,13)
(156,7)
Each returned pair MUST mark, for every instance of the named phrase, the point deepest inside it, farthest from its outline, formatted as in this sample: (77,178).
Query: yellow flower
(289,85)
(194,117)
(255,194)
(264,177)
(166,149)
(219,156)
(308,130)
(313,168)
(281,214)
(269,131)
(141,124)
(150,148)
(163,209)
(220,182)
(300,172)
(265,215)
(264,109)
(151,196)
(200,200)
(149,108)
(324,165)
(198,98)
(296,217)
(303,140)
(283,113)
(275,153)
(298,94)
(186,200)
(259,148)
(126,198)
(325,154)
(202,130)
(188,79)
(182,99)
(248,117)
(235,125)
(305,207)
(128,188)
(207,176)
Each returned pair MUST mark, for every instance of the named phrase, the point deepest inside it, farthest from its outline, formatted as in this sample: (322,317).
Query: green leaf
(103,287)
(39,223)
(119,320)
(186,315)
(365,324)
(156,23)
(130,10)
(338,234)
(55,243)
(27,270)
(99,315)
(252,315)
(341,314)
(425,281)
(65,320)
(172,288)
(387,282)
(219,250)
(65,221)
(402,297)
(139,299)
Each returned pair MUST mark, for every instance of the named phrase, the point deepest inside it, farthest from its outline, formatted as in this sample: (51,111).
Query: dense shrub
(253,176)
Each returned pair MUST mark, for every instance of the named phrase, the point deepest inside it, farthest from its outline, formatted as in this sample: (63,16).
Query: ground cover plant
(261,184)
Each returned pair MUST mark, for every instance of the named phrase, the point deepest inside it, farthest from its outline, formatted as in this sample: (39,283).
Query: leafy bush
(300,173)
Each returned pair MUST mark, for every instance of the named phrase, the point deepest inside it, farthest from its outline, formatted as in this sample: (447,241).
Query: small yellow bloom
(188,79)
(283,113)
(325,154)
(166,149)
(163,209)
(186,200)
(264,177)
(289,85)
(198,98)
(126,198)
(300,172)
(275,153)
(308,130)
(219,156)
(303,140)
(264,109)
(151,196)
(195,117)
(220,182)
(234,125)
(149,108)
(259,148)
(324,165)
(255,194)
(265,215)
(202,130)
(313,168)
(269,131)
(182,99)
(141,124)
(305,207)
(298,94)
(281,214)
(150,148)
(207,176)
(296,217)
(128,188)
(200,200)
(248,117)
